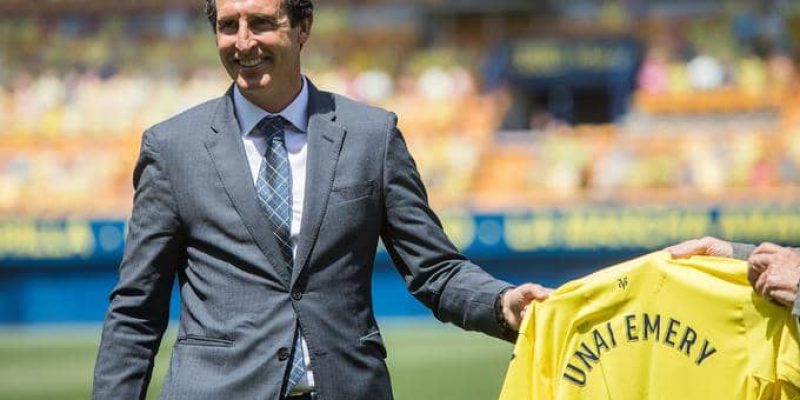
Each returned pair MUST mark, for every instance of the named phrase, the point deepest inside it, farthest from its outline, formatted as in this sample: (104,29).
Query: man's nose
(244,39)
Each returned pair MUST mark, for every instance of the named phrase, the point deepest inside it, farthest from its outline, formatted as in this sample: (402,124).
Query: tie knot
(270,126)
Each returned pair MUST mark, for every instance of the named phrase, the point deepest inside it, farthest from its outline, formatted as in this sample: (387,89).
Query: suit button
(283,354)
(297,295)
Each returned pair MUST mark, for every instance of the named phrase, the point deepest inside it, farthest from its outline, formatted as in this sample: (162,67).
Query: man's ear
(305,29)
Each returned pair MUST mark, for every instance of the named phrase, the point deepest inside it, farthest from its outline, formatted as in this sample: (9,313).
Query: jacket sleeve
(455,289)
(796,310)
(139,304)
(741,251)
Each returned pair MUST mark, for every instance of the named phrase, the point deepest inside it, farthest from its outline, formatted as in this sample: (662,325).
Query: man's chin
(252,85)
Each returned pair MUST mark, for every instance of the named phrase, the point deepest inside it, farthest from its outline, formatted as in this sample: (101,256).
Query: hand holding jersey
(773,271)
(515,302)
(707,246)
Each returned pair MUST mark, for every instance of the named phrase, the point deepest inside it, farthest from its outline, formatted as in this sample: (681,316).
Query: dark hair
(297,10)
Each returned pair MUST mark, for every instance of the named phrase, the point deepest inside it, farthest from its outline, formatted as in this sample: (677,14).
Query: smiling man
(267,205)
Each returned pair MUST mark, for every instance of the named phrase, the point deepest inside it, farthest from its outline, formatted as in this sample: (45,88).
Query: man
(774,271)
(267,204)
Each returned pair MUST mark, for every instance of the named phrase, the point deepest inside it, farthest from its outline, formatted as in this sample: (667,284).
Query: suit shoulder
(187,122)
(352,112)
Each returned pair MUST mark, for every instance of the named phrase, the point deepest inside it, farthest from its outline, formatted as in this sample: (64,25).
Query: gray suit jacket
(742,251)
(196,217)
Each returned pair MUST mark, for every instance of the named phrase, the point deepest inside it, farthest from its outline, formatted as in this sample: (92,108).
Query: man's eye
(226,25)
(263,23)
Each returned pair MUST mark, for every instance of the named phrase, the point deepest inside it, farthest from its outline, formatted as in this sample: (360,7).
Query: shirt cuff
(506,331)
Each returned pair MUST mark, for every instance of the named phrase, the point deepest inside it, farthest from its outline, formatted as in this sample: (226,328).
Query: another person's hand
(515,302)
(774,272)
(707,246)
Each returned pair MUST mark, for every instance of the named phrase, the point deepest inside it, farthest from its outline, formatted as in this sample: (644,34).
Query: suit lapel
(324,144)
(224,145)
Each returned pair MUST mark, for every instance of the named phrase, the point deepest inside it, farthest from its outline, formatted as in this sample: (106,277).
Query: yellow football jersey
(654,328)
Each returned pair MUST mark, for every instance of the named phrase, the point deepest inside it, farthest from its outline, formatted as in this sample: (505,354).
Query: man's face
(259,48)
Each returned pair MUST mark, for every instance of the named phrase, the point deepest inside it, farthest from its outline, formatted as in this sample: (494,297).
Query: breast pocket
(352,191)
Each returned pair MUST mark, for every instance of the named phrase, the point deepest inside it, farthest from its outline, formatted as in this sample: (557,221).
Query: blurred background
(554,137)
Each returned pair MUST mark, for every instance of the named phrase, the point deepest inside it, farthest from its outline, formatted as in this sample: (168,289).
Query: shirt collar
(249,114)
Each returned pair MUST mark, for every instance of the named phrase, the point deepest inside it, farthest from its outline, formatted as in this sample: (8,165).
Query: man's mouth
(251,62)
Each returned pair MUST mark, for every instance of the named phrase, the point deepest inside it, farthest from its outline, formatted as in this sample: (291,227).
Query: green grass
(427,361)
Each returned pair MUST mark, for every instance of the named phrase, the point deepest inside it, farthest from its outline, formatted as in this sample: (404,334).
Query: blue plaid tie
(274,187)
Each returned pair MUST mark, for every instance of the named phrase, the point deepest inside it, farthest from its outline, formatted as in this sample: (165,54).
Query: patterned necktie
(274,184)
(274,187)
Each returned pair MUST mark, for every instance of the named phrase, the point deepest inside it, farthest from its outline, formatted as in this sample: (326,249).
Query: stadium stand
(705,124)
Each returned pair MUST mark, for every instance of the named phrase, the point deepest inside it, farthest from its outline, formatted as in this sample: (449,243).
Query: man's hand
(774,272)
(707,246)
(515,301)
